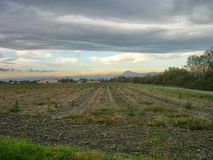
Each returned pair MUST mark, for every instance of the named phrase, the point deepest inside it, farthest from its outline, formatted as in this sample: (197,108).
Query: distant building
(93,81)
(47,81)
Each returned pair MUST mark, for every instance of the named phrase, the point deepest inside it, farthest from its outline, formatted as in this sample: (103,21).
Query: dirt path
(86,100)
(128,139)
(72,104)
(110,98)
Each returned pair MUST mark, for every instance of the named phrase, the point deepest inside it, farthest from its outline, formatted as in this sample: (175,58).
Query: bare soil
(145,125)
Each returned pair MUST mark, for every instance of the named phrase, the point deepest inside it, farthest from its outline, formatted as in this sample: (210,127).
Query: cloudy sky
(72,37)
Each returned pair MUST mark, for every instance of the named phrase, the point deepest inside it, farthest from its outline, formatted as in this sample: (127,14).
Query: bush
(16,107)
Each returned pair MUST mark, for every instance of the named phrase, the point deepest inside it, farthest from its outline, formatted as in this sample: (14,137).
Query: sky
(85,37)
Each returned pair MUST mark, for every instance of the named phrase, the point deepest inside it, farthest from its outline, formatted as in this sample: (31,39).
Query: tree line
(196,74)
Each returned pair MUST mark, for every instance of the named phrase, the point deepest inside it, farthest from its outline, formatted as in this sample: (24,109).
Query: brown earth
(120,119)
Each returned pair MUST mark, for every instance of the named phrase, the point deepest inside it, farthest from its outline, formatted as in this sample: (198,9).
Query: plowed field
(131,119)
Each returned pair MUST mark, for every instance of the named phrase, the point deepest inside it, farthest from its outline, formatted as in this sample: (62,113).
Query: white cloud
(138,57)
(67,60)
(77,51)
(5,49)
(33,53)
(116,23)
(28,59)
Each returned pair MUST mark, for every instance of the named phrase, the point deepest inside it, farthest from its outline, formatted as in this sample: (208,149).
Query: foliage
(201,66)
(66,80)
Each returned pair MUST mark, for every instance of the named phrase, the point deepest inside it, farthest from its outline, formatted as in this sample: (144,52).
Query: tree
(201,65)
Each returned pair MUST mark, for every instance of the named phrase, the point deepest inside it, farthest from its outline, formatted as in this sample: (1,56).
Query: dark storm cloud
(31,70)
(6,69)
(40,71)
(112,25)
(197,11)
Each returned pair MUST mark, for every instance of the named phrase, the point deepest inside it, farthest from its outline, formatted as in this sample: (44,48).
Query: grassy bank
(181,91)
(18,149)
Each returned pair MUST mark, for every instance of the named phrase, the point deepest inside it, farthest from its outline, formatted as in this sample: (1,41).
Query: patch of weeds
(141,113)
(158,122)
(193,123)
(153,137)
(51,107)
(159,109)
(176,114)
(110,119)
(102,112)
(188,105)
(155,109)
(130,111)
(74,104)
(40,103)
(54,104)
(166,100)
(74,116)
(180,95)
(148,103)
(16,107)
(201,96)
(136,121)
(102,115)
(88,118)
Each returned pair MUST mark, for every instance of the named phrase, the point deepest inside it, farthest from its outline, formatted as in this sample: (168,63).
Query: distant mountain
(135,74)
(109,76)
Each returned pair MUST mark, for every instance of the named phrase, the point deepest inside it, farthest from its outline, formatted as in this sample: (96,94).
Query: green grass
(170,117)
(17,149)
(98,115)
(77,117)
(193,123)
(180,92)
(159,109)
(158,122)
(98,112)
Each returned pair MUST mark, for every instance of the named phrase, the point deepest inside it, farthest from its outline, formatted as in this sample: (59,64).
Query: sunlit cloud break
(138,57)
